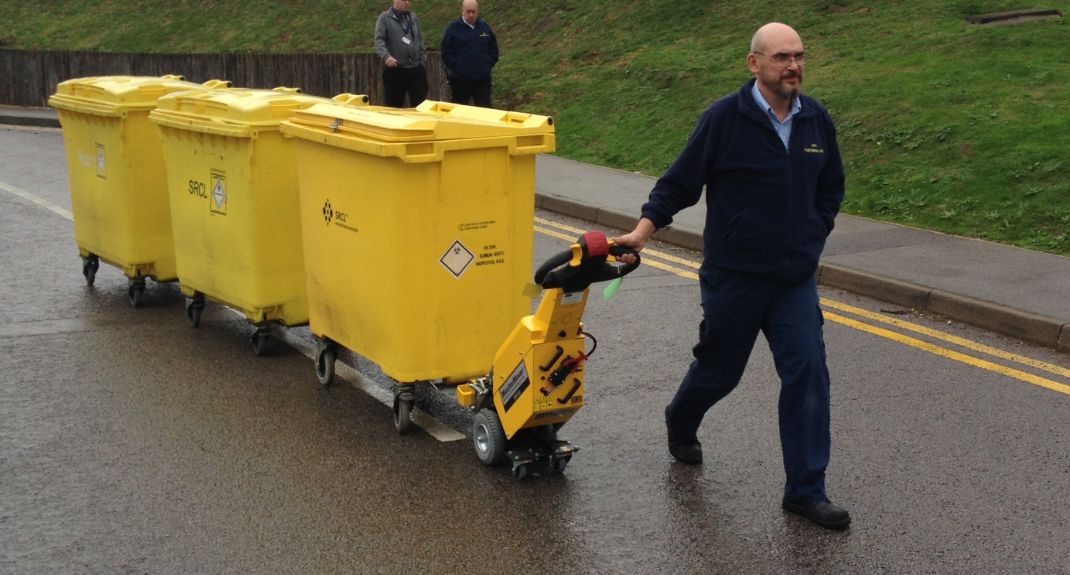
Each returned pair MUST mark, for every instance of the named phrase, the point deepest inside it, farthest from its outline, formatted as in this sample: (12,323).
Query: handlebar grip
(617,250)
(592,267)
(552,263)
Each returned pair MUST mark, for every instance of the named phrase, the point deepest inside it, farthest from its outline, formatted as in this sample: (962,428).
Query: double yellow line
(688,269)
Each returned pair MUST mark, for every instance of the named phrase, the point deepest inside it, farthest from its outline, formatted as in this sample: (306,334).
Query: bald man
(768,160)
(469,52)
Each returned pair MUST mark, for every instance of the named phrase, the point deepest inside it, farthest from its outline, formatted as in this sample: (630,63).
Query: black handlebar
(555,261)
(593,266)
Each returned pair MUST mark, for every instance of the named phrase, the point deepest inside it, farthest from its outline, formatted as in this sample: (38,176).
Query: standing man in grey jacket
(401,47)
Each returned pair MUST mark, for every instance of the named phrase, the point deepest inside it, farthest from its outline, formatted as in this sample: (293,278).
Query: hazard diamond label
(219,193)
(456,259)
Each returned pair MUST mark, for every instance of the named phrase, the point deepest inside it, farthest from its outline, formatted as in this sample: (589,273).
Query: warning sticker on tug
(456,259)
(514,386)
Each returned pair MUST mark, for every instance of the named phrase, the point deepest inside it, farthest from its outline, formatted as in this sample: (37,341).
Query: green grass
(943,125)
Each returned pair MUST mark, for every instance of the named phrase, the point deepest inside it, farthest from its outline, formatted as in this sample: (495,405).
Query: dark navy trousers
(735,308)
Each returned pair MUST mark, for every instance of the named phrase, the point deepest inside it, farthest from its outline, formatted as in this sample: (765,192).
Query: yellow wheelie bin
(116,170)
(232,180)
(418,230)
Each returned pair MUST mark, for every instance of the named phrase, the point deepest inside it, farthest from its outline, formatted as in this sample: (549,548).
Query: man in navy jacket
(469,52)
(768,160)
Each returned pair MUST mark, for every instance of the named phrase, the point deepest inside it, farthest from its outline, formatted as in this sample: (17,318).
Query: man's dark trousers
(461,91)
(735,308)
(398,81)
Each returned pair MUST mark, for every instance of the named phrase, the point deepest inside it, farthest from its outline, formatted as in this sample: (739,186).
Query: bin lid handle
(347,99)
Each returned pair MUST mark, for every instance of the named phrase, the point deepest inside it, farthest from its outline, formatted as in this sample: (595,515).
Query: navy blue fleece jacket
(768,210)
(469,53)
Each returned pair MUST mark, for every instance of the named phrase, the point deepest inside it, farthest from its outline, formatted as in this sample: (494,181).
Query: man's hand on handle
(636,239)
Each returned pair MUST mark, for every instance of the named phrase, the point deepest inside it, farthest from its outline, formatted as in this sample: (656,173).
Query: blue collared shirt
(783,129)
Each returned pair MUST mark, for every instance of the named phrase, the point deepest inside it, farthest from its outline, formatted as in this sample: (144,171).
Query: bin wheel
(325,357)
(135,290)
(558,464)
(403,414)
(488,437)
(522,471)
(260,339)
(194,307)
(90,265)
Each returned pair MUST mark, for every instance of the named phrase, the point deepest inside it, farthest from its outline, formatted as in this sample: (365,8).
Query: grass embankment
(944,125)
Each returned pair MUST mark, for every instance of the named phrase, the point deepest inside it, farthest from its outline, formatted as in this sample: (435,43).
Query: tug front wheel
(488,437)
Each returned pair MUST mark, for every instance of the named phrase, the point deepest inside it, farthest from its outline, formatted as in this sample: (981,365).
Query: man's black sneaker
(690,454)
(824,513)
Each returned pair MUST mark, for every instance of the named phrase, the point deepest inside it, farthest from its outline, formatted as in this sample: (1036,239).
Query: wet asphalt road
(132,443)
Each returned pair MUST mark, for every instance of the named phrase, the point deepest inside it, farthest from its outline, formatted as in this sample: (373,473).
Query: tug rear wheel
(488,437)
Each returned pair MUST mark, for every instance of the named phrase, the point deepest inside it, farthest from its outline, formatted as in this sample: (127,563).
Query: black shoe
(824,513)
(689,453)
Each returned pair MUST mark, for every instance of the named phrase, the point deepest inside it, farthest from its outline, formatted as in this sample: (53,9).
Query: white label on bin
(219,193)
(456,259)
(101,173)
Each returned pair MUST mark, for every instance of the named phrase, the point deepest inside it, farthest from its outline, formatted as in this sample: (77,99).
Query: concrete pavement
(1012,291)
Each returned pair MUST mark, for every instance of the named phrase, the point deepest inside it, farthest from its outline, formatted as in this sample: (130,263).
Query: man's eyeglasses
(783,58)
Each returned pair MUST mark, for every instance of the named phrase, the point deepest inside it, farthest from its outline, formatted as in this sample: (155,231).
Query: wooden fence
(28,78)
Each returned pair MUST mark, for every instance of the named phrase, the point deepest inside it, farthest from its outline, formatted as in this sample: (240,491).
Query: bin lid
(118,95)
(430,121)
(239,112)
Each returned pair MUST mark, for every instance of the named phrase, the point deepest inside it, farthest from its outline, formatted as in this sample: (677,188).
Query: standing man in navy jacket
(768,160)
(469,52)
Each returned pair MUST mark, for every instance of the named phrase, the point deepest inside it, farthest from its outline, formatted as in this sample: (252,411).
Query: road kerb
(1001,319)
(901,293)
(16,119)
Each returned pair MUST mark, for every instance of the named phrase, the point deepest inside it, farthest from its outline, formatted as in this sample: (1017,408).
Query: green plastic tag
(611,288)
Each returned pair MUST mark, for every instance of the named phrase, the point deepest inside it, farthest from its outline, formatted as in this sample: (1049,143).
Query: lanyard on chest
(405,20)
